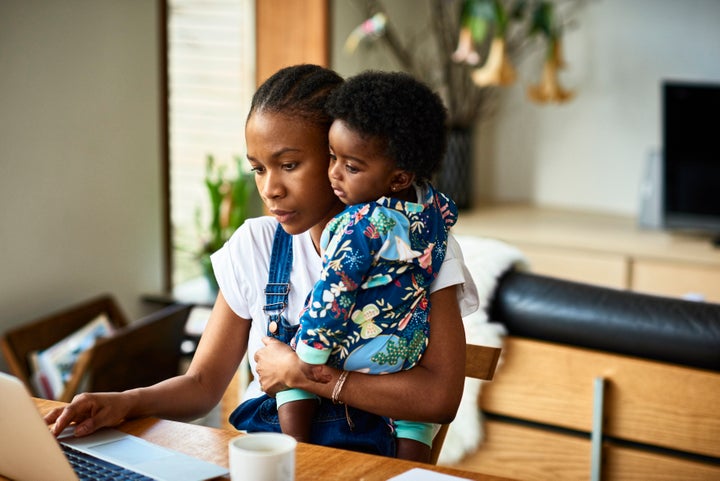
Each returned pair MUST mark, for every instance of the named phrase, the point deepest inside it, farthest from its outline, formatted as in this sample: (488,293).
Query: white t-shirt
(241,267)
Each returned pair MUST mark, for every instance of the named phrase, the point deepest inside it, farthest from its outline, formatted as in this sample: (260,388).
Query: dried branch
(432,62)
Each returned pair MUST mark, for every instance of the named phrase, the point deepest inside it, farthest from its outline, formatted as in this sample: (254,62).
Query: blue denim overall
(369,433)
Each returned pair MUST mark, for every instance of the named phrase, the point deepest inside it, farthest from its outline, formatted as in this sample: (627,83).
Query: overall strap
(278,285)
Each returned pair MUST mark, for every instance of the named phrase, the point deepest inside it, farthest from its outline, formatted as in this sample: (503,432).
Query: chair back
(136,354)
(480,363)
(39,334)
(145,352)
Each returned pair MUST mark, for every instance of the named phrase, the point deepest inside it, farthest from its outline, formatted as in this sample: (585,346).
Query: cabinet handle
(597,425)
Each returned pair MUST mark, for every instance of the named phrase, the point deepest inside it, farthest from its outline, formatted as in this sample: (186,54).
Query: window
(211,79)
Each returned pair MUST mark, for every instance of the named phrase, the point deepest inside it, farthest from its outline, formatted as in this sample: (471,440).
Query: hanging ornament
(474,18)
(549,88)
(465,51)
(371,28)
(498,69)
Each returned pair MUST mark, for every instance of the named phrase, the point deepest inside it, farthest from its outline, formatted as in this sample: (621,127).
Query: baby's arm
(324,324)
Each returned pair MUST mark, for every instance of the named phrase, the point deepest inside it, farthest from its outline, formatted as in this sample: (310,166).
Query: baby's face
(360,170)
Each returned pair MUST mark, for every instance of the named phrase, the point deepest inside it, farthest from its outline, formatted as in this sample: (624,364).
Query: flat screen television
(691,153)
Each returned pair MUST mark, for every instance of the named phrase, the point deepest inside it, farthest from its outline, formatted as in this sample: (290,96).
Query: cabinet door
(535,453)
(694,281)
(625,463)
(648,402)
(529,453)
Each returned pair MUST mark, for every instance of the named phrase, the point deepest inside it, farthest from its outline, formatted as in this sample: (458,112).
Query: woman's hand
(275,364)
(90,412)
(279,368)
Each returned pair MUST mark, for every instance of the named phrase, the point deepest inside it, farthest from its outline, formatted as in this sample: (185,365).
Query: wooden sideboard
(659,421)
(602,249)
(559,412)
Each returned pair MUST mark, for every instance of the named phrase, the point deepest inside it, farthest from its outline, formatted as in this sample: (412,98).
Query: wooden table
(313,463)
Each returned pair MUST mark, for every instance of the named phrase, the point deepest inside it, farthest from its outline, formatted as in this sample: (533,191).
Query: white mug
(262,457)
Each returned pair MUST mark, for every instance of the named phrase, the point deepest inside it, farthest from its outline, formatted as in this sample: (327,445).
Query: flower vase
(454,177)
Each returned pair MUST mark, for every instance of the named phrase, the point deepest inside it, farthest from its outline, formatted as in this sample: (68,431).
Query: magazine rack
(137,354)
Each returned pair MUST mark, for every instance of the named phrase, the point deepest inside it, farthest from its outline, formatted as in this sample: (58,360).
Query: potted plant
(230,206)
(466,51)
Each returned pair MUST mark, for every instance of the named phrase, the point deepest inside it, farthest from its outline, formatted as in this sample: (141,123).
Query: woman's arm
(437,379)
(188,396)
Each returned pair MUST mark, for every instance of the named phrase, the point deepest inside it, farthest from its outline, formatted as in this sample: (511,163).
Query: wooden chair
(140,354)
(480,363)
(19,342)
(137,354)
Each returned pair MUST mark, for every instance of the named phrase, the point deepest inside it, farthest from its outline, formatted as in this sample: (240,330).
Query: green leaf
(478,28)
(222,189)
(501,18)
(542,20)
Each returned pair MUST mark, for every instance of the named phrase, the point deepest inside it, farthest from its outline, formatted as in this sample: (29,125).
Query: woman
(287,145)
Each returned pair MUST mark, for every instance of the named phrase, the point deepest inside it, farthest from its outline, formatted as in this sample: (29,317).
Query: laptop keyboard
(90,468)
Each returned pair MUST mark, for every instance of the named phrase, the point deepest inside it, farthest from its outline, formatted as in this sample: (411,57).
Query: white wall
(80,197)
(589,153)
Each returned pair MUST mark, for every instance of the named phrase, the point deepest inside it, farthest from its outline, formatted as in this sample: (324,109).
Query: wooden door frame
(289,32)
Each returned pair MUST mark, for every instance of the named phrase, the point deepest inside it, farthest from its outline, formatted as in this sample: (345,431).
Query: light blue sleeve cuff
(290,395)
(421,432)
(311,355)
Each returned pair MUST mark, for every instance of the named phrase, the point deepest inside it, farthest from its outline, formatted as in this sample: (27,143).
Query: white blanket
(487,259)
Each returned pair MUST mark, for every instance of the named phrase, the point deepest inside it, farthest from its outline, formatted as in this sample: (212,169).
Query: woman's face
(290,158)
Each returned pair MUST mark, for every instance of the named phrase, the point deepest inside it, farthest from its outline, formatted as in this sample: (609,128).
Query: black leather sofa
(597,383)
(659,328)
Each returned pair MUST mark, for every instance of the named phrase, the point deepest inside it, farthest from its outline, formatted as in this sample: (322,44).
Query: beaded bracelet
(338,387)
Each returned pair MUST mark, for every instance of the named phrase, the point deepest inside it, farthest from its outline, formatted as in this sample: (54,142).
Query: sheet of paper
(419,474)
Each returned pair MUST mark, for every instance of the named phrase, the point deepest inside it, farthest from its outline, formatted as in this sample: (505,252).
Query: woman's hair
(297,91)
(400,110)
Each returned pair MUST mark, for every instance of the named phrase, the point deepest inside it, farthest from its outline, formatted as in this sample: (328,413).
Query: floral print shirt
(369,310)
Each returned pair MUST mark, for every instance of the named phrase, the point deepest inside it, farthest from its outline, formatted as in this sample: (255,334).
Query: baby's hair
(299,90)
(400,110)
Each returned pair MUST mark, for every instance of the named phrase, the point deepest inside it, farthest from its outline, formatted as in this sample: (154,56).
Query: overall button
(273,327)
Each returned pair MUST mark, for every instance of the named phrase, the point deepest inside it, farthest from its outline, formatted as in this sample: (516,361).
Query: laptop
(29,451)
